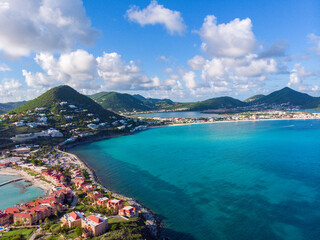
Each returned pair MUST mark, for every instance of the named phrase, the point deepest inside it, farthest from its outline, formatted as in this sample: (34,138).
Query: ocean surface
(181,115)
(14,193)
(220,181)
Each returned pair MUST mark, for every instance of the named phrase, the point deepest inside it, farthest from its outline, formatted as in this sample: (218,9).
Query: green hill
(217,103)
(51,99)
(120,102)
(254,98)
(6,107)
(286,95)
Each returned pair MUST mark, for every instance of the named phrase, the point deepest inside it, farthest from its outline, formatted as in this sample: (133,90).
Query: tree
(78,231)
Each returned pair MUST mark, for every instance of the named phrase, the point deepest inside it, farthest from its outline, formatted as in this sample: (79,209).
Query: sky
(183,50)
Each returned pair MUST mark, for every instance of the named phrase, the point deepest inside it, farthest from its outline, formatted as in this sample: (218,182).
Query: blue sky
(183,50)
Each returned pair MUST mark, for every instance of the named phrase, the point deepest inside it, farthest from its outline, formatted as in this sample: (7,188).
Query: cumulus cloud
(190,80)
(118,75)
(231,62)
(233,39)
(197,62)
(8,89)
(8,84)
(157,14)
(76,69)
(43,26)
(297,75)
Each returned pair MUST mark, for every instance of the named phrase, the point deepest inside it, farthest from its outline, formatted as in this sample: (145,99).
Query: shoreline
(46,187)
(153,222)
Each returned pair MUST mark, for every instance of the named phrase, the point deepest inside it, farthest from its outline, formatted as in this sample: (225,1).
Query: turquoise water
(14,193)
(244,180)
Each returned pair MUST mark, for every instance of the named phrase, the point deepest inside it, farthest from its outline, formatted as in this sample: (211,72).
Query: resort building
(81,184)
(128,211)
(102,202)
(24,218)
(95,195)
(72,219)
(94,226)
(54,176)
(116,204)
(88,188)
(4,218)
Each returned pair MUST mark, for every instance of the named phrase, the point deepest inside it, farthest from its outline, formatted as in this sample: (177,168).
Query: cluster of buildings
(54,176)
(30,136)
(93,225)
(33,212)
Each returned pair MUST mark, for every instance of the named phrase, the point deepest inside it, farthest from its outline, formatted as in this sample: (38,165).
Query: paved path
(36,233)
(74,202)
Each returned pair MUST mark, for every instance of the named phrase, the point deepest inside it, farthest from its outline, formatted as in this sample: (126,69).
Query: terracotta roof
(23,215)
(95,219)
(74,215)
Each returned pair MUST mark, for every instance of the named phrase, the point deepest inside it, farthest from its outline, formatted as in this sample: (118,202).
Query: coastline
(46,187)
(153,222)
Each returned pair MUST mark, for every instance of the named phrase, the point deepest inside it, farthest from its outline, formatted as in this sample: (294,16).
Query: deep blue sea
(223,181)
(14,193)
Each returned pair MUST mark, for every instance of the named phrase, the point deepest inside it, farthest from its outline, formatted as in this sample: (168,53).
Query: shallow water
(242,180)
(14,193)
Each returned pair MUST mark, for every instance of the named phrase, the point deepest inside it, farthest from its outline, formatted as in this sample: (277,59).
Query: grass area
(116,219)
(53,237)
(22,233)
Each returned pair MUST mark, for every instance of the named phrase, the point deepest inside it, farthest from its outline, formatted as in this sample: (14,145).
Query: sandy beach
(34,181)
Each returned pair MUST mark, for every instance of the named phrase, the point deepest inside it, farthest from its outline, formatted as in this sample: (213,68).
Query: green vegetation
(286,95)
(254,98)
(6,107)
(17,234)
(216,103)
(51,99)
(120,102)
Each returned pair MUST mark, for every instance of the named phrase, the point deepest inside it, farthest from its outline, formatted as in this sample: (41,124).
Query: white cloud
(197,62)
(157,14)
(9,84)
(189,79)
(76,69)
(225,74)
(4,68)
(117,75)
(297,75)
(234,39)
(8,89)
(316,39)
(43,26)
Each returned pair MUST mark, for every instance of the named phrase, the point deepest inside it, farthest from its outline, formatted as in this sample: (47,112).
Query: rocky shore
(153,222)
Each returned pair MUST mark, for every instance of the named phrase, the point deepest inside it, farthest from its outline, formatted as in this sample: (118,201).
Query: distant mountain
(217,103)
(6,107)
(286,95)
(139,97)
(121,102)
(52,98)
(254,98)
(125,102)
